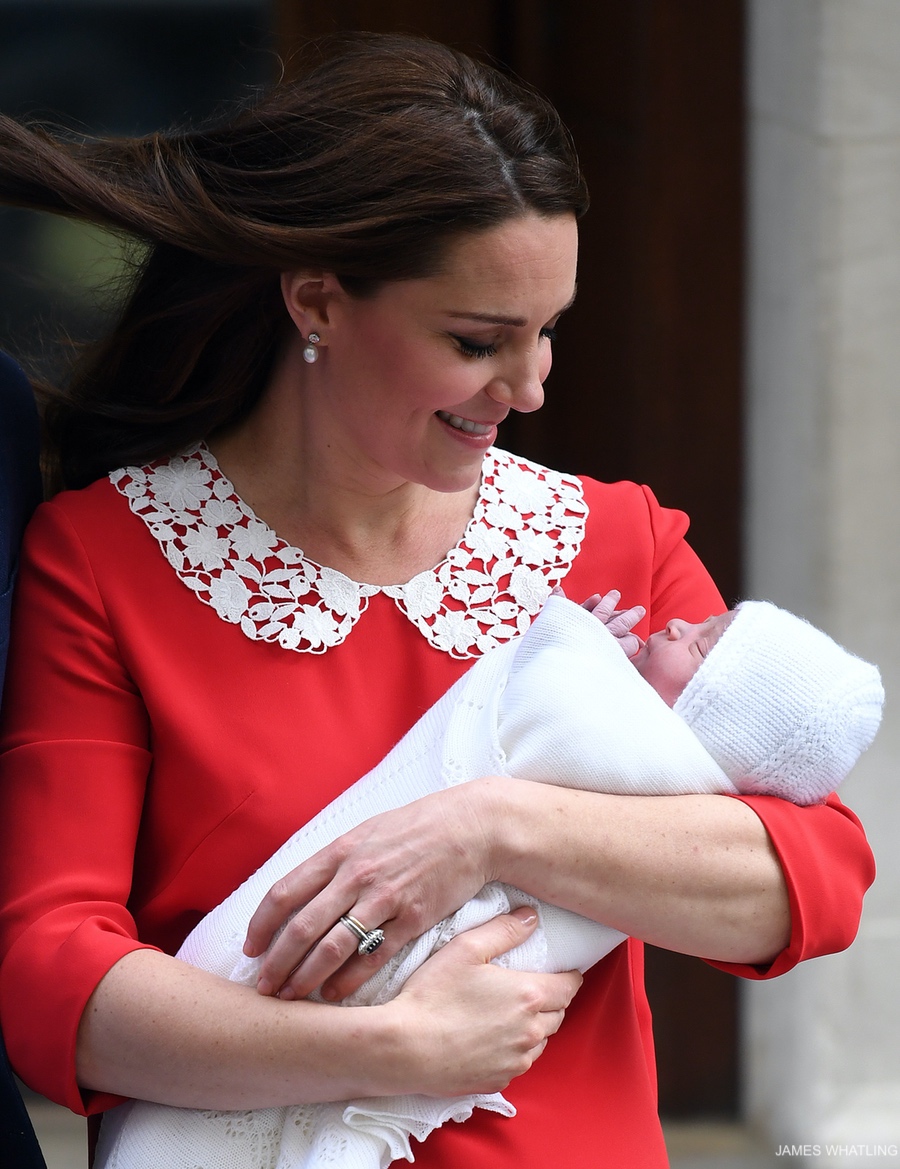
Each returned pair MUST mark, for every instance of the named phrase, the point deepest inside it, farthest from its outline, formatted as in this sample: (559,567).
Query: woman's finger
(295,890)
(511,931)
(339,950)
(499,935)
(502,934)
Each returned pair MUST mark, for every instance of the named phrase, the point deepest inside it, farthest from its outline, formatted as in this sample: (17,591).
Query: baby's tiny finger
(624,621)
(603,607)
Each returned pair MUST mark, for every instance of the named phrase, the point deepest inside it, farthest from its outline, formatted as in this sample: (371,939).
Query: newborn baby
(779,705)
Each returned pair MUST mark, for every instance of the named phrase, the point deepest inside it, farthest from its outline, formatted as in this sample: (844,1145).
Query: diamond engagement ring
(369,940)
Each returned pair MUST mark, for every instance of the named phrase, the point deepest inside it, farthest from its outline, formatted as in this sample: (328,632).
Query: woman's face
(412,383)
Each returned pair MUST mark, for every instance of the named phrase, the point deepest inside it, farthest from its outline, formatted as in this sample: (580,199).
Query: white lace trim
(525,533)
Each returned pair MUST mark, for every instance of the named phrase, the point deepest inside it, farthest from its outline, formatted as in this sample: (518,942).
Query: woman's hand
(479,1026)
(403,871)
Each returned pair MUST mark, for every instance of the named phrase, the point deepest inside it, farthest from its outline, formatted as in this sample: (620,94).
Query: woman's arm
(690,873)
(697,874)
(161,1030)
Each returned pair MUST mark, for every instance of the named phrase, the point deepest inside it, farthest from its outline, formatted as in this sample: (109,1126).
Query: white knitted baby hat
(782,708)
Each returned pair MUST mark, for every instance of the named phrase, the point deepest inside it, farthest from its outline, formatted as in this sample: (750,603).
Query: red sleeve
(638,546)
(73,770)
(681,586)
(828,866)
(635,545)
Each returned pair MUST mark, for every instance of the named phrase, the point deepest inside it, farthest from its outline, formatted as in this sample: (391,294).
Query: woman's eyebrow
(497,319)
(489,319)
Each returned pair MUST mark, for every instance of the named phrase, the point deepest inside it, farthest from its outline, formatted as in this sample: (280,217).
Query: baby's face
(670,658)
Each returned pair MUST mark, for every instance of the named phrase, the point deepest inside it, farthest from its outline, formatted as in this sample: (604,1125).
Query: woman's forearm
(697,874)
(158,1029)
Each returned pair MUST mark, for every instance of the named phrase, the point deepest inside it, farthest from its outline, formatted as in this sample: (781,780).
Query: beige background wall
(822,1061)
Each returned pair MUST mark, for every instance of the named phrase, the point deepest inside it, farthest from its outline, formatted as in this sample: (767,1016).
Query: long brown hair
(383,150)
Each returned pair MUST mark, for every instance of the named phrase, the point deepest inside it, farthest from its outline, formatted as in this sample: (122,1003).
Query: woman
(351,284)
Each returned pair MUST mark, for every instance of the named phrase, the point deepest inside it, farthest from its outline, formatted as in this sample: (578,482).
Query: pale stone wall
(822,1045)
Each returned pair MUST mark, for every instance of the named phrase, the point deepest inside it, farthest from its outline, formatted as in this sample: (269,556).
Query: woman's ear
(308,295)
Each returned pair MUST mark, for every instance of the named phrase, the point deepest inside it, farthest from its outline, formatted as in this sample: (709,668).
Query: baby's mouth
(465,424)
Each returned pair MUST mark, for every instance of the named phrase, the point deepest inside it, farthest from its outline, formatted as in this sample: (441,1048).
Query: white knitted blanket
(561,705)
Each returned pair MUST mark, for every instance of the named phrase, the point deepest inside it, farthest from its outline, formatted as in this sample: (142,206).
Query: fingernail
(329,994)
(264,987)
(287,994)
(526,914)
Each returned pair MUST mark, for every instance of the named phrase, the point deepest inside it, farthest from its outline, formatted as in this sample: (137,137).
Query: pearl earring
(310,353)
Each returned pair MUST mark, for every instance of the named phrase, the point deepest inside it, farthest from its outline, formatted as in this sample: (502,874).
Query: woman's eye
(473,349)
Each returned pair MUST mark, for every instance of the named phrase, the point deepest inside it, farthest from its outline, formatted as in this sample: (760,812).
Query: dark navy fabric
(20,484)
(19,495)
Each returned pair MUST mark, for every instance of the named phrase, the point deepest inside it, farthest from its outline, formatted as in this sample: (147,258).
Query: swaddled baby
(779,705)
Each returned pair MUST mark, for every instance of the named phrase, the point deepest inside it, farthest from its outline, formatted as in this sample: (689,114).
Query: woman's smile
(483,432)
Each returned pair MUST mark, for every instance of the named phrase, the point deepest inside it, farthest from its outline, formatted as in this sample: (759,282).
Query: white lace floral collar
(527,529)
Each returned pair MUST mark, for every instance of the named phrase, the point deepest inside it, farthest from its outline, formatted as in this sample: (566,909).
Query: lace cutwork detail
(525,533)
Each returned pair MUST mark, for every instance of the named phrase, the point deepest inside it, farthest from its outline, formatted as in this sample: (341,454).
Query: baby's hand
(619,622)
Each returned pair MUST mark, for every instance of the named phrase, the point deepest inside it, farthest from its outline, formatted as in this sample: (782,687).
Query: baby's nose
(675,628)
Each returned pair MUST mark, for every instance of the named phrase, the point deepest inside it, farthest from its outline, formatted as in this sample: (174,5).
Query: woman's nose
(521,387)
(528,396)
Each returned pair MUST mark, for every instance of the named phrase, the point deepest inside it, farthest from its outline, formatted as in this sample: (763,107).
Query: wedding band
(369,940)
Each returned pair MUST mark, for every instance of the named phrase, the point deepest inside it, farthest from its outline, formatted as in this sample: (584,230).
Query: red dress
(155,754)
